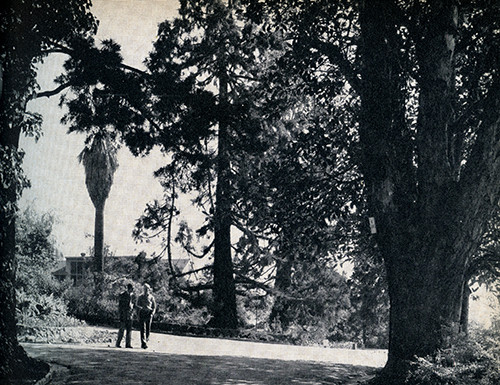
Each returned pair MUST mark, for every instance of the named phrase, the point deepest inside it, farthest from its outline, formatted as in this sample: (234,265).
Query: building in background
(74,268)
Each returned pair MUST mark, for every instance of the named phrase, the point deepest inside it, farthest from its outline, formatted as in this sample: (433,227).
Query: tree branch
(200,287)
(259,285)
(207,267)
(53,92)
(336,57)
(199,256)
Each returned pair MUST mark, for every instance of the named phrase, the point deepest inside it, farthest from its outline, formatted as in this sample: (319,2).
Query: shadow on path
(123,366)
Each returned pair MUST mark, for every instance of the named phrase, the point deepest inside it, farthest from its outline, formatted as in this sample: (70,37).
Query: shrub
(41,311)
(86,304)
(473,361)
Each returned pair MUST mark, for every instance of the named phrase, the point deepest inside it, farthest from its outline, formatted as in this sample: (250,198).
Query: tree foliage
(426,84)
(199,111)
(271,111)
(36,252)
(29,32)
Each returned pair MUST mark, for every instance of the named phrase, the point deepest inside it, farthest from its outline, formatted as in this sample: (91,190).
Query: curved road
(176,360)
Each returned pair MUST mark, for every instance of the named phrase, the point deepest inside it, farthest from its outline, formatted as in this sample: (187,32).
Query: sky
(58,180)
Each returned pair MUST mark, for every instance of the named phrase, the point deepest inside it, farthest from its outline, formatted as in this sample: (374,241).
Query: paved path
(175,360)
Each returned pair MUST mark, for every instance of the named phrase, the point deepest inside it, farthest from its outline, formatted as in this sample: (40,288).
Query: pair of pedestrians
(146,308)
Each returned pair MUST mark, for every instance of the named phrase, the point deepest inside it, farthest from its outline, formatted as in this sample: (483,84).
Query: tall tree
(426,74)
(436,181)
(193,101)
(100,162)
(202,74)
(29,32)
(303,188)
(97,79)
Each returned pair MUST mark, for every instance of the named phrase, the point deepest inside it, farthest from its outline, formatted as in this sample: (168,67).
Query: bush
(86,304)
(473,361)
(43,310)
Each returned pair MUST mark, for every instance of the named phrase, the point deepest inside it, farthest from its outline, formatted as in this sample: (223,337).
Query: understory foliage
(316,305)
(42,310)
(369,316)
(39,294)
(101,306)
(36,253)
(318,299)
(473,361)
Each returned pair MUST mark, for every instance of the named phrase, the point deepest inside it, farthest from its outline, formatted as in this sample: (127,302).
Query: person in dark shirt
(147,307)
(126,311)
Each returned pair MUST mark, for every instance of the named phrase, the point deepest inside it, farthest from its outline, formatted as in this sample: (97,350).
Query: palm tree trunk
(99,239)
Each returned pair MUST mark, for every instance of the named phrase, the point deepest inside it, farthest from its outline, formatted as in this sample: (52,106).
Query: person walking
(147,307)
(126,311)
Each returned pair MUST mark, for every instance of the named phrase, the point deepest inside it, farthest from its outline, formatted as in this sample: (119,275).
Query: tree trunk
(280,311)
(224,293)
(421,218)
(10,350)
(13,358)
(99,239)
(425,300)
(464,315)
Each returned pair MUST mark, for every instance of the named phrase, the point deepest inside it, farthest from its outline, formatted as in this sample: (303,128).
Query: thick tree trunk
(413,193)
(224,293)
(10,350)
(13,358)
(425,300)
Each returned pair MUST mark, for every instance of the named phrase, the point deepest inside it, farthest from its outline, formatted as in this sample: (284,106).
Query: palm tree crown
(100,162)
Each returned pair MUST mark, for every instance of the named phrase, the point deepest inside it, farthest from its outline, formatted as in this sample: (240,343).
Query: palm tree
(100,162)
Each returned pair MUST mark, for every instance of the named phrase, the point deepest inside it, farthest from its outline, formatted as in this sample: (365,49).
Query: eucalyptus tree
(30,31)
(436,183)
(426,74)
(99,158)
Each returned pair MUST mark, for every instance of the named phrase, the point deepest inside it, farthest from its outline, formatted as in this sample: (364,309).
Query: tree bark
(280,311)
(9,347)
(464,315)
(13,358)
(413,192)
(224,293)
(99,239)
